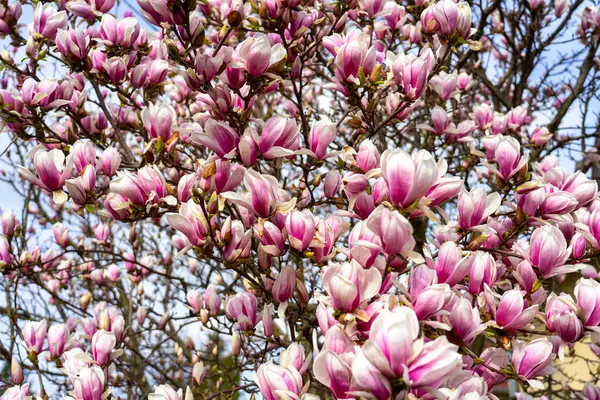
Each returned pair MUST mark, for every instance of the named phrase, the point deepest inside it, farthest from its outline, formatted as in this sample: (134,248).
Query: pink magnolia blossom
(532,359)
(349,284)
(408,178)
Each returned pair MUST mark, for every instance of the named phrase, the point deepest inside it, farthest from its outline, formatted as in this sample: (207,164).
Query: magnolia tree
(299,199)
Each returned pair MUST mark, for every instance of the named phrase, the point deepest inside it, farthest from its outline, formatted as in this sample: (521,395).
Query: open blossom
(256,54)
(532,359)
(511,313)
(507,154)
(349,284)
(81,186)
(368,377)
(191,222)
(158,12)
(483,115)
(72,44)
(270,237)
(279,137)
(147,186)
(437,359)
(448,17)
(123,32)
(242,308)
(237,240)
(219,137)
(17,393)
(262,194)
(47,20)
(53,169)
(394,348)
(353,56)
(219,175)
(293,357)
(408,177)
(333,371)
(396,329)
(83,154)
(277,382)
(427,296)
(583,189)
(443,189)
(444,84)
(364,244)
(475,206)
(496,358)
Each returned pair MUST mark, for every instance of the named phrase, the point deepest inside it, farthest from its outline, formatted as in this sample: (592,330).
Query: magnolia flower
(148,185)
(34,334)
(89,383)
(548,251)
(394,231)
(511,314)
(408,177)
(475,206)
(103,343)
(158,121)
(321,135)
(166,392)
(278,138)
(58,335)
(532,359)
(47,20)
(450,266)
(256,54)
(507,154)
(561,317)
(262,196)
(300,227)
(465,320)
(587,293)
(411,72)
(277,382)
(53,169)
(242,307)
(219,137)
(395,350)
(349,284)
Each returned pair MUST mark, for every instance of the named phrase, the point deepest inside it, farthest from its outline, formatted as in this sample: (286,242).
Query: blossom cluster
(297,198)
